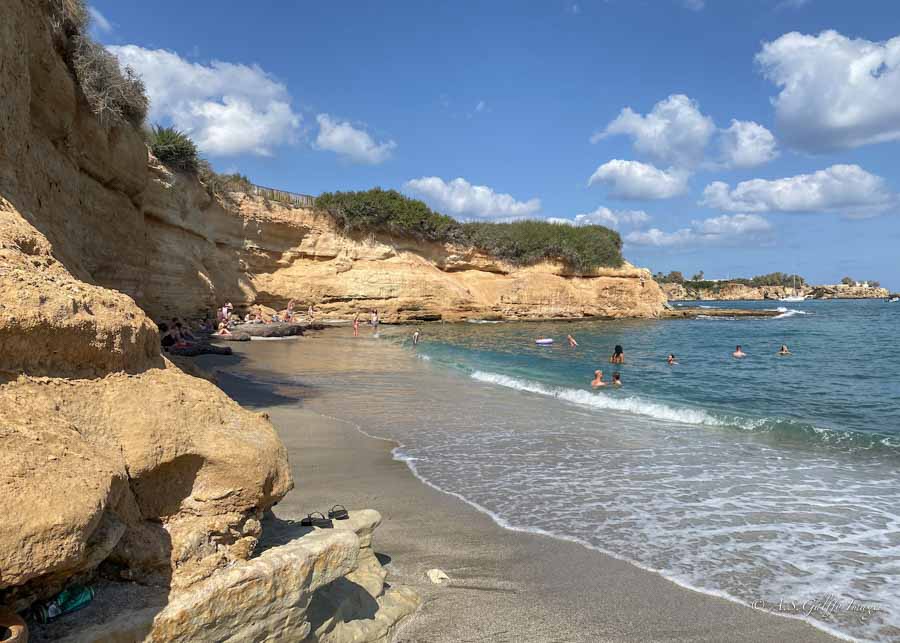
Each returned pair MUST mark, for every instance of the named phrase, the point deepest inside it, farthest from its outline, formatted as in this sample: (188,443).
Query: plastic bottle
(69,600)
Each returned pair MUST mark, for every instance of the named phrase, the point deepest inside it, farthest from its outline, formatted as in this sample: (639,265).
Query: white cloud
(350,142)
(721,230)
(834,92)
(479,107)
(747,144)
(227,108)
(791,4)
(677,133)
(846,188)
(634,180)
(460,197)
(612,218)
(99,20)
(673,133)
(694,5)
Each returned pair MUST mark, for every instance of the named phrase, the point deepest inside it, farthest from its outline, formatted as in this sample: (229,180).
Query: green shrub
(526,242)
(389,211)
(521,242)
(173,148)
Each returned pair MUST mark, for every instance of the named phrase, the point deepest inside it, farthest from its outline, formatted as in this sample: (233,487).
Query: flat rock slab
(277,329)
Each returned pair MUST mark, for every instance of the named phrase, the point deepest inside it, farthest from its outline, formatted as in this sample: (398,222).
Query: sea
(772,480)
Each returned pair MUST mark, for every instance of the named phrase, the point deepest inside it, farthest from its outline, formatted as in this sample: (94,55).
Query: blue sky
(733,136)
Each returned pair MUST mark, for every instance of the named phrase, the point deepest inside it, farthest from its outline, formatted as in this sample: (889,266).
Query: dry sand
(505,585)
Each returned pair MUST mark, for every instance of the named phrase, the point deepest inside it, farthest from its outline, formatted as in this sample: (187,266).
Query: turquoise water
(773,481)
(841,386)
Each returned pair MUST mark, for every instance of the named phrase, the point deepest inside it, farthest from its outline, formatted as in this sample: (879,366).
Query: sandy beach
(505,585)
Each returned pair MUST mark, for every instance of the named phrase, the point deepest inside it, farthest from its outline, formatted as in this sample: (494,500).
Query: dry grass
(115,95)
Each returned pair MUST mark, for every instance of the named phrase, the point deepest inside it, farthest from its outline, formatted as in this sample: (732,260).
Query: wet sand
(505,585)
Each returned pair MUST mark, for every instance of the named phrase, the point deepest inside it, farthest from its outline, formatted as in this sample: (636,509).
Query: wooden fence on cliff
(298,200)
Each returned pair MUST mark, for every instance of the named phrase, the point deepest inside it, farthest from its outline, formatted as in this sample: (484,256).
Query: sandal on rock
(316,519)
(339,512)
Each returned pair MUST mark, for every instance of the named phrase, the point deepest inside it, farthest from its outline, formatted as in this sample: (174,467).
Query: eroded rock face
(250,251)
(134,462)
(740,292)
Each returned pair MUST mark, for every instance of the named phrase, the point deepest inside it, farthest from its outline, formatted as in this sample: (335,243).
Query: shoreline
(519,579)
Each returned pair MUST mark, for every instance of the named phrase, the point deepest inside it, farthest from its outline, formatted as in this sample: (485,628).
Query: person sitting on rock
(223,329)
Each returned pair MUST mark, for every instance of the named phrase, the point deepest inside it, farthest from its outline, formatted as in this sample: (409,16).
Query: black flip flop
(339,512)
(316,519)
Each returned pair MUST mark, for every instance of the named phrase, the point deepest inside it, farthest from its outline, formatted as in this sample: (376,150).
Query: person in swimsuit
(617,379)
(784,350)
(671,361)
(572,342)
(416,337)
(598,380)
(356,325)
(738,353)
(618,356)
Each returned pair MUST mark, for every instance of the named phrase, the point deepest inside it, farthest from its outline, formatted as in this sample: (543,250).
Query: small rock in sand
(437,576)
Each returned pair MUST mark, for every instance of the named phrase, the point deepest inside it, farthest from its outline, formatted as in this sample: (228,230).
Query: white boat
(893,299)
(795,296)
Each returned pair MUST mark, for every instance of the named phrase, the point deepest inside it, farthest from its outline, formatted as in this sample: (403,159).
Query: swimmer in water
(784,350)
(598,380)
(671,361)
(738,352)
(617,379)
(572,342)
(416,337)
(618,356)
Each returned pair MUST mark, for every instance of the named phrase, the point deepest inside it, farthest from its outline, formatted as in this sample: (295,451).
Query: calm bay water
(771,480)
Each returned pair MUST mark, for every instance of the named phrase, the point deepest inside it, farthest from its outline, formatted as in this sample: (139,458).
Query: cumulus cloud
(227,108)
(721,230)
(350,142)
(747,144)
(612,218)
(676,133)
(99,20)
(634,180)
(461,198)
(845,188)
(673,133)
(835,93)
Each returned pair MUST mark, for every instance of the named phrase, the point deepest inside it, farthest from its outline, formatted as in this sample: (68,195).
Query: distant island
(773,286)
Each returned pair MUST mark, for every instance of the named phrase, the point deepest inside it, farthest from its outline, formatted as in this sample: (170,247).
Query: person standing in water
(356,325)
(784,350)
(598,380)
(618,356)
(416,337)
(738,353)
(572,342)
(617,379)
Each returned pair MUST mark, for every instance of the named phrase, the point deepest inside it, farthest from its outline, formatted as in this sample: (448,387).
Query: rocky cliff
(740,292)
(201,251)
(112,458)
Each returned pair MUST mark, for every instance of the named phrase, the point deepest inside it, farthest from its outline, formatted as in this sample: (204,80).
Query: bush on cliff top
(115,95)
(173,148)
(520,242)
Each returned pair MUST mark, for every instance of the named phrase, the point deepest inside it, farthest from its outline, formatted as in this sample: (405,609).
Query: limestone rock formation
(738,292)
(134,463)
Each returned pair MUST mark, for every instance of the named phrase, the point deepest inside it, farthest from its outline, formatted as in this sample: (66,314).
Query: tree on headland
(874,284)
(847,281)
(698,276)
